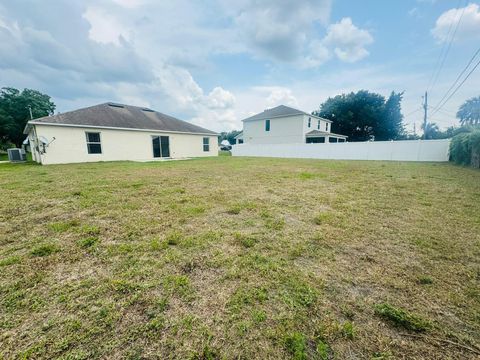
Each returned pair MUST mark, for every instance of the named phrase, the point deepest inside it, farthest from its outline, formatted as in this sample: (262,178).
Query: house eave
(325,133)
(272,117)
(282,116)
(118,128)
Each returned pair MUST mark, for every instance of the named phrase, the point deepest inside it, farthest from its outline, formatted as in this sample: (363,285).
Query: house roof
(324,133)
(280,111)
(112,115)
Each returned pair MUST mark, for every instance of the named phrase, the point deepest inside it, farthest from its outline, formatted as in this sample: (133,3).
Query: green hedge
(465,148)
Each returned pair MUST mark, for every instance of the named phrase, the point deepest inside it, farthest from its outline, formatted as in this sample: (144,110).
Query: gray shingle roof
(122,116)
(279,111)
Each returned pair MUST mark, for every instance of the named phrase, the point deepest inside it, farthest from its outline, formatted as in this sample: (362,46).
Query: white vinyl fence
(402,150)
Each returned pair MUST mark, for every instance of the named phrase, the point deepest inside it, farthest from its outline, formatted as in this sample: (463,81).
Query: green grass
(402,318)
(239,258)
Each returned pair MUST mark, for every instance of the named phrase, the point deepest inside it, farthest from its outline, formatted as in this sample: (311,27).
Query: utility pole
(415,129)
(425,107)
(30,109)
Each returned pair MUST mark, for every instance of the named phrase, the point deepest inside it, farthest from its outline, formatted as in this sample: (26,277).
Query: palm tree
(469,112)
(431,131)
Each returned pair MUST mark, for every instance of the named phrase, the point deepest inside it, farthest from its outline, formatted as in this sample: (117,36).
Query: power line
(412,112)
(450,43)
(440,55)
(443,111)
(456,89)
(458,78)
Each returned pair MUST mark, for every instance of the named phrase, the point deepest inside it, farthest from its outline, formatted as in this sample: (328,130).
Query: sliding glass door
(161,146)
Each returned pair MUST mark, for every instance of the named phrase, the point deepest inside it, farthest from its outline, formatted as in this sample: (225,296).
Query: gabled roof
(112,115)
(280,111)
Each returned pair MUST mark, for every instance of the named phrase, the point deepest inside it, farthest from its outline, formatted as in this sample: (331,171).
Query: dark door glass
(165,144)
(156,146)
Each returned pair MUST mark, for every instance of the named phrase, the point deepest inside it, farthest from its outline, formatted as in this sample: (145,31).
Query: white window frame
(94,142)
(206,146)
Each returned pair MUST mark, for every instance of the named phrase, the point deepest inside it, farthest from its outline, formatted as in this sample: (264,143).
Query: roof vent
(116,105)
(147,109)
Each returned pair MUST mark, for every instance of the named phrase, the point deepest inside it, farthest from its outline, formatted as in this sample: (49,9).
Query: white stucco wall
(70,145)
(288,129)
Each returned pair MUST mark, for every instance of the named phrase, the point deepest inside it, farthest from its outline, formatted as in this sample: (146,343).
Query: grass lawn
(240,258)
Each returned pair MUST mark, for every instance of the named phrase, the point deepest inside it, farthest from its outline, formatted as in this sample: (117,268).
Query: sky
(216,62)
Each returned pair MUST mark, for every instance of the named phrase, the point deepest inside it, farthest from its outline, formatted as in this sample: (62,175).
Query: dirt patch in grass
(289,259)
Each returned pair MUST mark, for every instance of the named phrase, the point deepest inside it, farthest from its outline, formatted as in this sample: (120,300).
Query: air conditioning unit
(16,155)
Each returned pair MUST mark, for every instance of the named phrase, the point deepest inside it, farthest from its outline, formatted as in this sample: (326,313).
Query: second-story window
(326,127)
(318,124)
(267,125)
(309,122)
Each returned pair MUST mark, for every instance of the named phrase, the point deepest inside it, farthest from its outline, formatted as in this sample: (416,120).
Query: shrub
(465,148)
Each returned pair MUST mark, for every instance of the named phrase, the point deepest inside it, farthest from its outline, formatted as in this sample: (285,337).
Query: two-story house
(286,125)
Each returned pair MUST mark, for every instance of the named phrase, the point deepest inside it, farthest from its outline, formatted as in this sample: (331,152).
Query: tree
(15,112)
(431,131)
(230,136)
(469,112)
(364,115)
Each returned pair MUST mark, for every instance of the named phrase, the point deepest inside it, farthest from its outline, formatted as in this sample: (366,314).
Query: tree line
(360,115)
(16,108)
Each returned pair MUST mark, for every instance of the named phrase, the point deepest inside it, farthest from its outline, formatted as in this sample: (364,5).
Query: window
(309,122)
(161,146)
(318,125)
(267,125)
(240,141)
(332,140)
(326,127)
(206,144)
(315,140)
(341,140)
(94,146)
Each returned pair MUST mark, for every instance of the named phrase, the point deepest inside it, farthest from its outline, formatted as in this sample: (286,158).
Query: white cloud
(129,4)
(142,53)
(104,28)
(317,55)
(278,30)
(271,96)
(220,98)
(349,41)
(469,28)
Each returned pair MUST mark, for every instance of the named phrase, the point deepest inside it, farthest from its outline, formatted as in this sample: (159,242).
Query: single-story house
(111,131)
(286,125)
